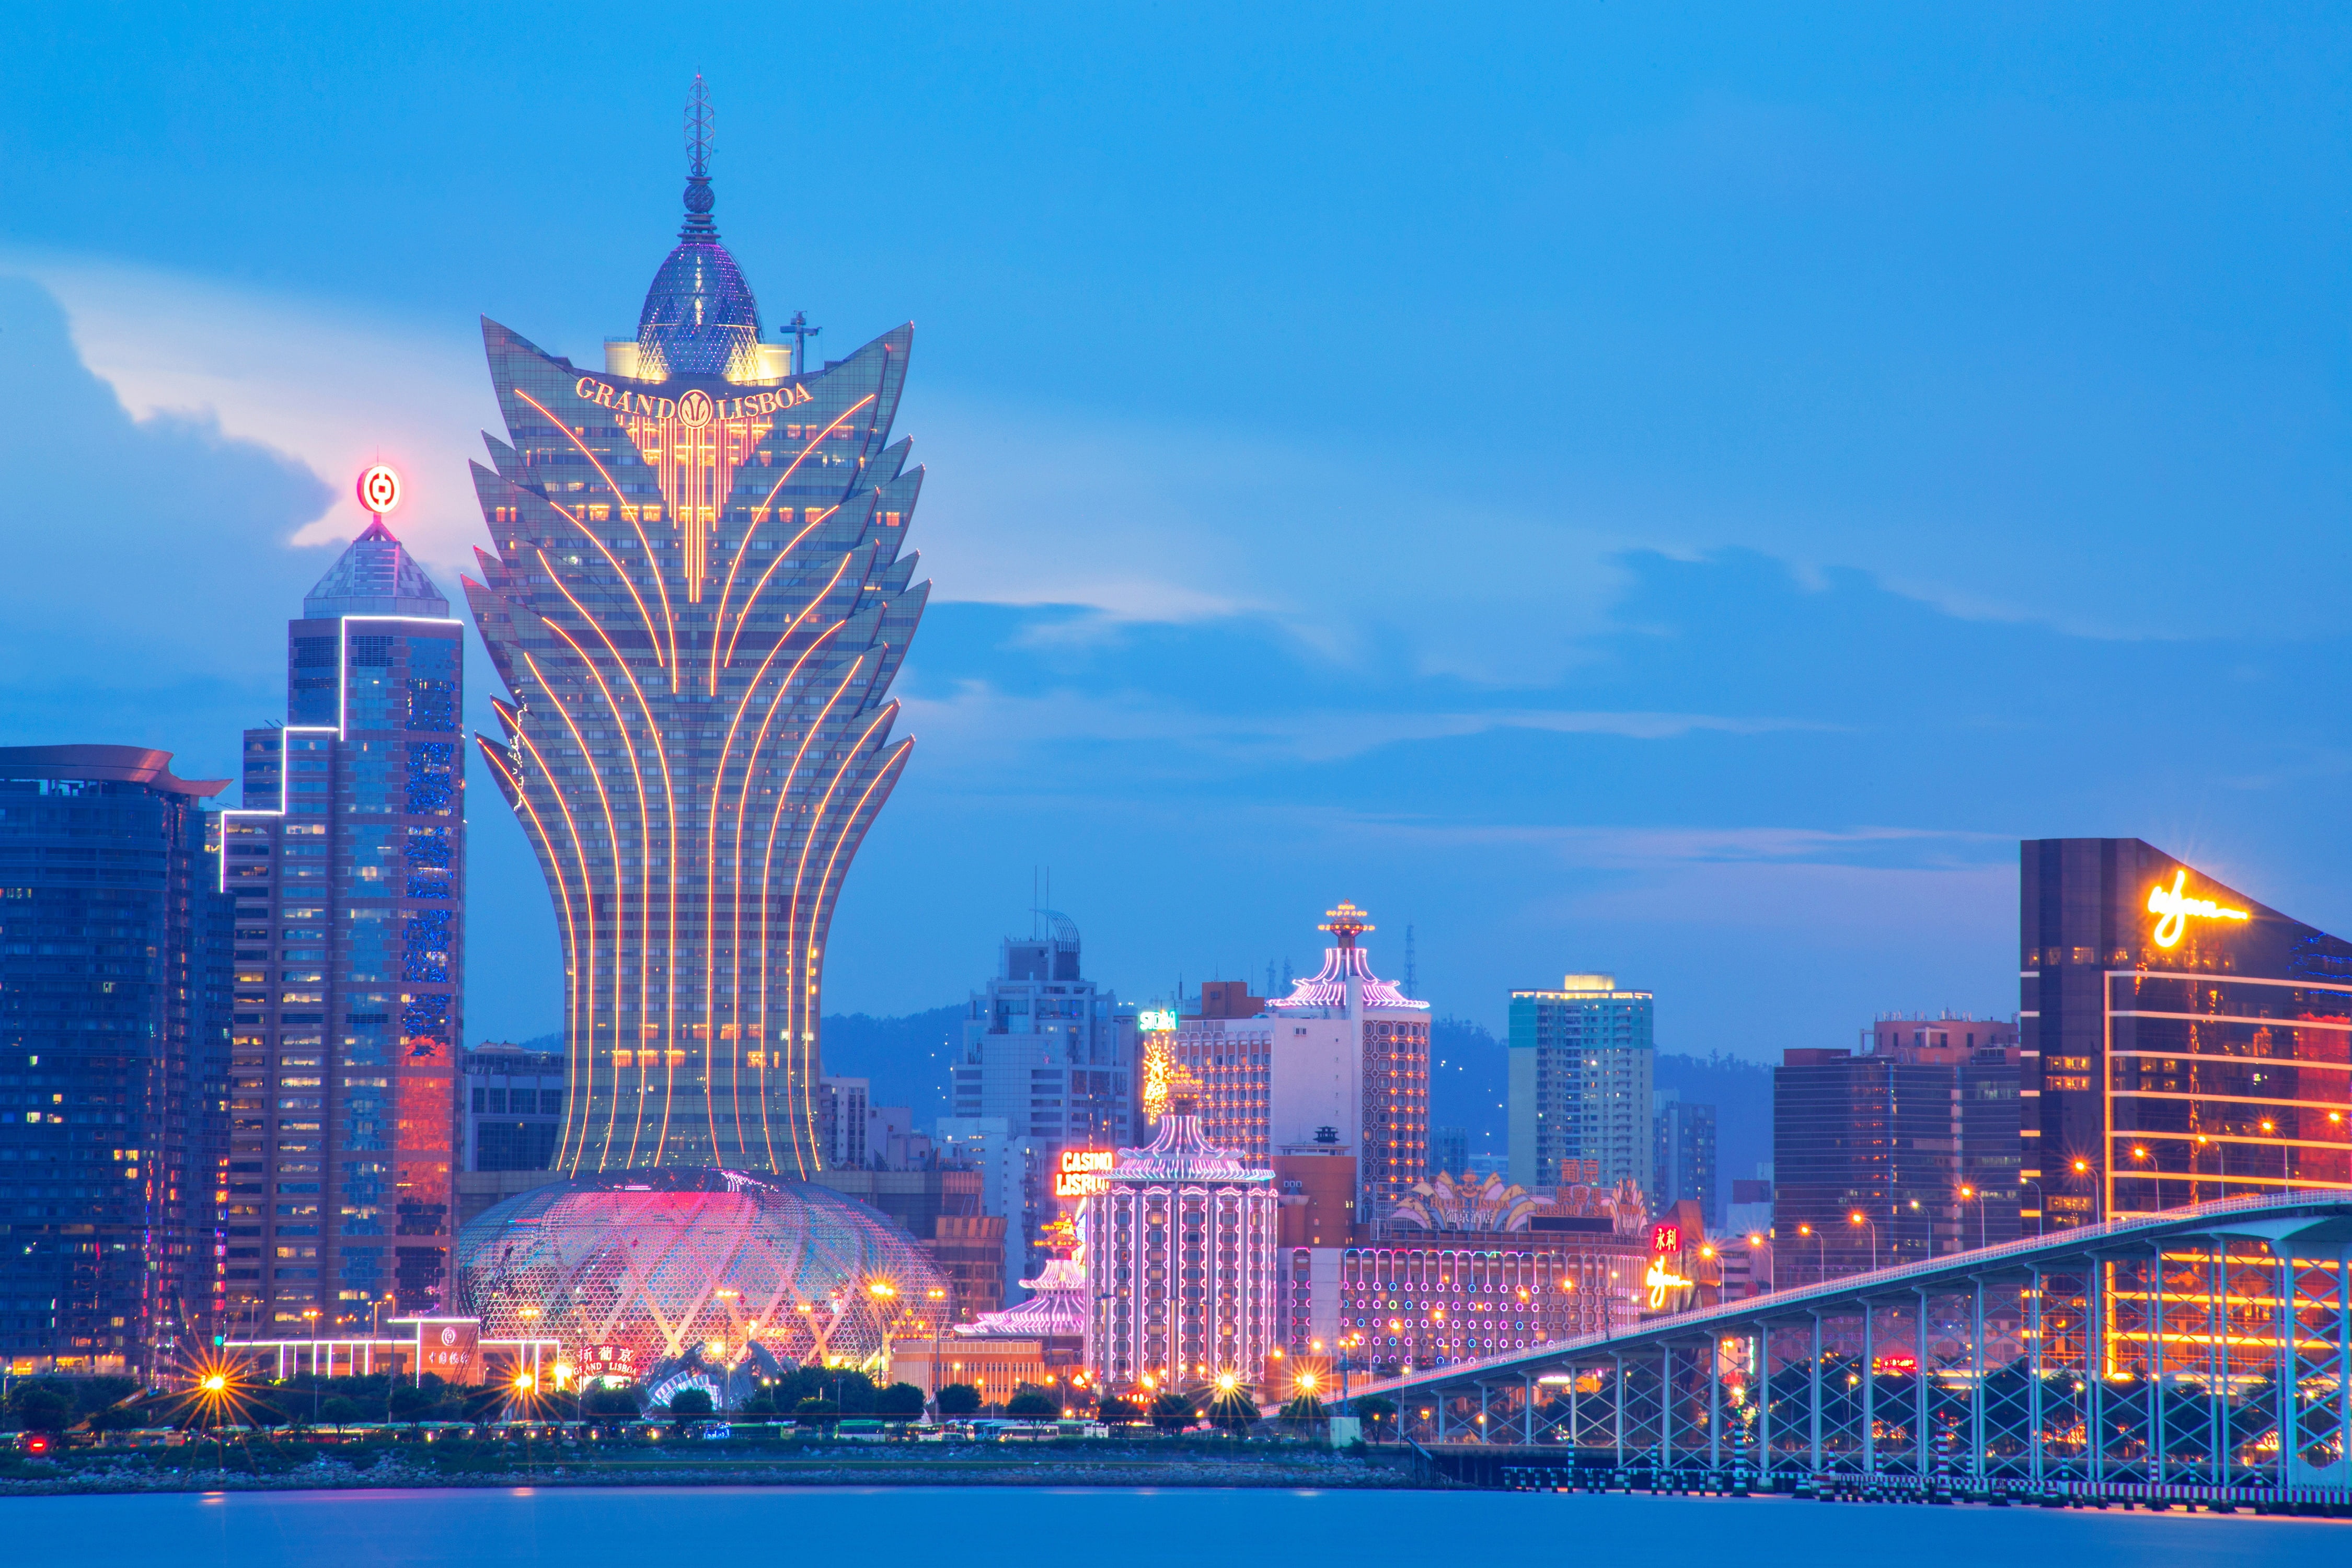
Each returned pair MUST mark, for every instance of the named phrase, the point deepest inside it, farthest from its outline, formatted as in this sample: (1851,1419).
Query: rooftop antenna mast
(1411,990)
(699,121)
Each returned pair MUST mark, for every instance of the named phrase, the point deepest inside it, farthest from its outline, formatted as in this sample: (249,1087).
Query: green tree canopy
(1172,1412)
(1114,1408)
(1234,1411)
(900,1399)
(624,1402)
(1030,1402)
(690,1402)
(958,1399)
(39,1408)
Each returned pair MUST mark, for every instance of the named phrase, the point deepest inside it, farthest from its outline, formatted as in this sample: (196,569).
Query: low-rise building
(1468,1270)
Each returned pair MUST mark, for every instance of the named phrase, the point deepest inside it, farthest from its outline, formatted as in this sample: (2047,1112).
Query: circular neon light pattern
(694,408)
(379,489)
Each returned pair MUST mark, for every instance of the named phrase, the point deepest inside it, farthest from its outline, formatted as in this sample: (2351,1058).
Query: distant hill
(1469,1087)
(905,1058)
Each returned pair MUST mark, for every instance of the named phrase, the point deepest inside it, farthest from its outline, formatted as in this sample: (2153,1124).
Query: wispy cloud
(980,723)
(322,382)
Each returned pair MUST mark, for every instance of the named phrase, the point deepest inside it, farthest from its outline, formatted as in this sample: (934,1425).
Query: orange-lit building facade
(696,598)
(2180,1041)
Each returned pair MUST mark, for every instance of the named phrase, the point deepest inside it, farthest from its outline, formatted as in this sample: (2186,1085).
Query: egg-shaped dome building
(632,1271)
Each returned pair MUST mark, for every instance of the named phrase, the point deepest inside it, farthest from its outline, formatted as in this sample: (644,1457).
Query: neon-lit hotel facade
(697,597)
(2181,1042)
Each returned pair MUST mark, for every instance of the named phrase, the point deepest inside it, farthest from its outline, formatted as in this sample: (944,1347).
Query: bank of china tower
(697,597)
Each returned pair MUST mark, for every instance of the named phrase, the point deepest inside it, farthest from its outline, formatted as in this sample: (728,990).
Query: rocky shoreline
(393,1472)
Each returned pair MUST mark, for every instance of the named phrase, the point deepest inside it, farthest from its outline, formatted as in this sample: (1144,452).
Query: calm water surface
(979,1527)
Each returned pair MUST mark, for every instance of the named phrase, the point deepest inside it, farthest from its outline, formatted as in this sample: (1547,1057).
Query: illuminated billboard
(1083,1172)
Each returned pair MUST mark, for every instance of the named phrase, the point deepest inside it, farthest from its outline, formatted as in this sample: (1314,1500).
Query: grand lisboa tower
(696,597)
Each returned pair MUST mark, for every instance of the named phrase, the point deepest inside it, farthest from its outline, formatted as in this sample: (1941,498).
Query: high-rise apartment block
(1684,1160)
(840,1118)
(1047,1048)
(2182,1042)
(1581,1062)
(1348,1062)
(1222,1058)
(113,1060)
(1905,1151)
(1050,1054)
(697,594)
(347,865)
(1016,1175)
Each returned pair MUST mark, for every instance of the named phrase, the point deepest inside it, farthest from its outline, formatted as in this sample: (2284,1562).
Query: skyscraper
(1581,1063)
(1684,1158)
(1049,1052)
(2181,1042)
(114,1044)
(1346,1051)
(697,597)
(347,865)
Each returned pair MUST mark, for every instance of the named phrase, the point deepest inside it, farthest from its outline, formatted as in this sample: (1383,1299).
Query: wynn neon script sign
(2174,908)
(1661,1281)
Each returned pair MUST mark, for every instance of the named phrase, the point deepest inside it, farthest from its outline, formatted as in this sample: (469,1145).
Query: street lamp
(2040,1203)
(1858,1217)
(2082,1169)
(1820,1255)
(1772,1266)
(1968,1194)
(2270,1127)
(310,1320)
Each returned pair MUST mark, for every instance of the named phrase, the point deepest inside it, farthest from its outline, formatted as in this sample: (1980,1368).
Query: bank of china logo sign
(2173,909)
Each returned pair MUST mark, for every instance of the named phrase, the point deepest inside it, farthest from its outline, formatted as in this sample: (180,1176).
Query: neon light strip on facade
(817,520)
(574,1103)
(759,515)
(767,1049)
(645,836)
(826,886)
(612,829)
(669,816)
(587,981)
(735,913)
(669,623)
(803,1059)
(793,969)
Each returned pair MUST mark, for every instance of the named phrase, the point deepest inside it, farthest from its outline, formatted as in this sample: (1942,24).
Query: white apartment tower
(1582,1060)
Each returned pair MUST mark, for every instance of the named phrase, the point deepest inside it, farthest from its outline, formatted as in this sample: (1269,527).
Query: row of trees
(812,1395)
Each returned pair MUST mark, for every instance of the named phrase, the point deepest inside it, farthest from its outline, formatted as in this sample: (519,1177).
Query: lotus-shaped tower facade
(697,597)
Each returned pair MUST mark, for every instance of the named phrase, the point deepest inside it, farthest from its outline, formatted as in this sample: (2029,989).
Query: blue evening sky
(1670,489)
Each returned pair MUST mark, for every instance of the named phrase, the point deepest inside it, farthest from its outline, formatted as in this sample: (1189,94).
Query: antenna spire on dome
(700,120)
